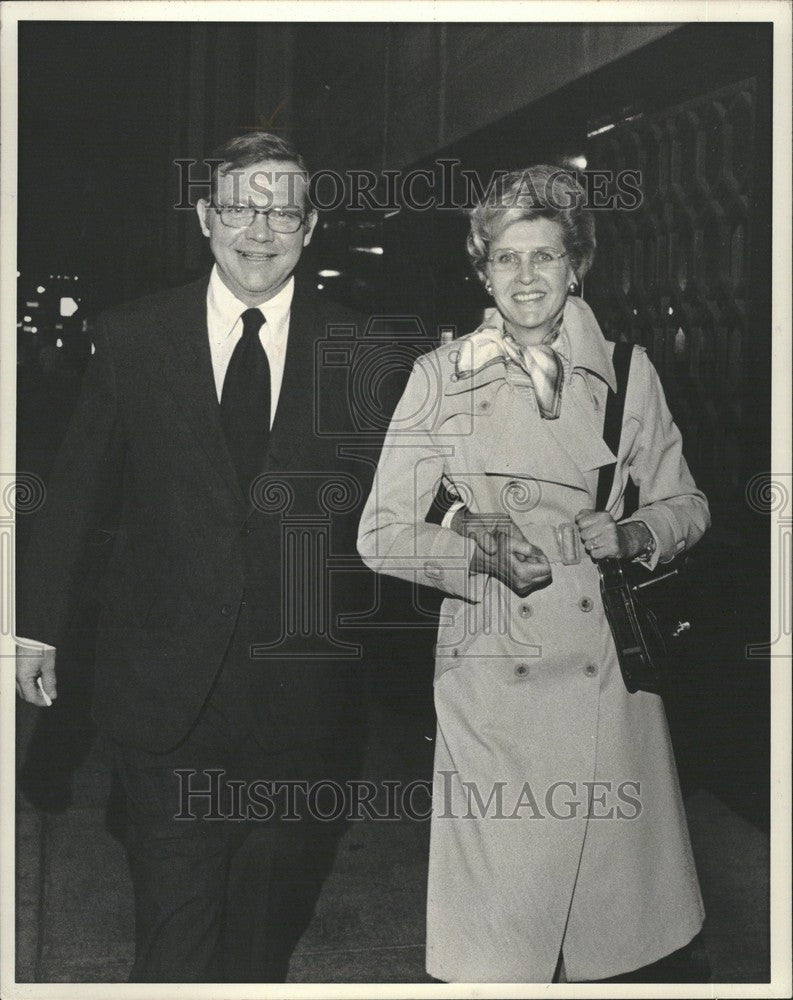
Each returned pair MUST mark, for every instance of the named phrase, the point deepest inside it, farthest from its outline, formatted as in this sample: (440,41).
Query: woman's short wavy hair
(542,191)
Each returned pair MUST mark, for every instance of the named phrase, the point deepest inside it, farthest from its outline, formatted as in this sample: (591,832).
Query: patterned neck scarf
(544,367)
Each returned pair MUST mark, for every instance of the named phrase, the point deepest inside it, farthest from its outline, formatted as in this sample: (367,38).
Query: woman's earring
(489,288)
(572,287)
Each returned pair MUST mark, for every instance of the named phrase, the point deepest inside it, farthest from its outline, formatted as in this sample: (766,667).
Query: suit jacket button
(591,670)
(525,611)
(521,670)
(586,604)
(226,610)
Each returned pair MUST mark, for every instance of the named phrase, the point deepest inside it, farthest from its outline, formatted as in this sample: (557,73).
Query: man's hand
(33,664)
(504,552)
(603,538)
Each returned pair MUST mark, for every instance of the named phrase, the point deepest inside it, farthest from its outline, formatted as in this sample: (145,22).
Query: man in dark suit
(217,671)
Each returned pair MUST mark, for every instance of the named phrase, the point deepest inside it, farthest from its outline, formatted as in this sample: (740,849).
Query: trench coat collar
(588,347)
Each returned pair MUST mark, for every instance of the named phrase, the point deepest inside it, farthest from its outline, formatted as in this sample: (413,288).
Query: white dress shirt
(224,323)
(224,311)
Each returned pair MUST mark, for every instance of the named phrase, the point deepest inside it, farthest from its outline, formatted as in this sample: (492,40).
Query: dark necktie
(245,401)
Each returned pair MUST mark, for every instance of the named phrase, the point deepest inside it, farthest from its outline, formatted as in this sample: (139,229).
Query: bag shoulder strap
(612,429)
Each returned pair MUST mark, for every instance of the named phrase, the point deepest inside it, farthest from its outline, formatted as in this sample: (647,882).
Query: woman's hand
(504,552)
(603,538)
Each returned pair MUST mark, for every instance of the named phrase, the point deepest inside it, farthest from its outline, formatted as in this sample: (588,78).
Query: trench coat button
(226,610)
(525,611)
(455,652)
(521,670)
(484,405)
(586,604)
(453,377)
(433,571)
(591,670)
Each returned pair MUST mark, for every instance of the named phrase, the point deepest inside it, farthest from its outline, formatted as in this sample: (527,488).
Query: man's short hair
(254,147)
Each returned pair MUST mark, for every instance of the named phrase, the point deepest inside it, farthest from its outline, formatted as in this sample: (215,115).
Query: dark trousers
(226,881)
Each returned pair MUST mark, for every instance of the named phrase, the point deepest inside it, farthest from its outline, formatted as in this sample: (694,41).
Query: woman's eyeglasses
(542,259)
(280,220)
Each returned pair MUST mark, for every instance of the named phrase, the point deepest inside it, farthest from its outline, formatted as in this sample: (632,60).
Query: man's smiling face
(255,262)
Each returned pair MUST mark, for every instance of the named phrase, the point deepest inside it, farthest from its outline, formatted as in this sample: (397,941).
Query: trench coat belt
(546,537)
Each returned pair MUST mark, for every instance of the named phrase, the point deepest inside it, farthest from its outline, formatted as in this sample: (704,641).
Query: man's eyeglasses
(280,220)
(542,259)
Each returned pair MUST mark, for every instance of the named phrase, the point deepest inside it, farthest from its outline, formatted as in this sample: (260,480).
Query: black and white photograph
(396,499)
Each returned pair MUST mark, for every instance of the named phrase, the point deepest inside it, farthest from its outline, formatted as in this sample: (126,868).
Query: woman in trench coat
(559,845)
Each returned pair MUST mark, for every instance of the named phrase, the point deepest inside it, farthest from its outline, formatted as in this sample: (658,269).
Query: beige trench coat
(557,817)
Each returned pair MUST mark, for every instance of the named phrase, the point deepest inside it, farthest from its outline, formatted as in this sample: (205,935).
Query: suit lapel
(293,427)
(186,364)
(187,367)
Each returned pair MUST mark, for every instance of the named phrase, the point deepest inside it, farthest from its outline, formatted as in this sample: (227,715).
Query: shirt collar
(224,308)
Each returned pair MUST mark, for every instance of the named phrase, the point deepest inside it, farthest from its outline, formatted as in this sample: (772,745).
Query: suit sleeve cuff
(32,643)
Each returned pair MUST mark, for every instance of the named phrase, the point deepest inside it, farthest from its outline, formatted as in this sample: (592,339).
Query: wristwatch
(649,547)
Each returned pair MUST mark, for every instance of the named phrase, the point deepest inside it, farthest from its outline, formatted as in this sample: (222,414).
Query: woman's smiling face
(530,298)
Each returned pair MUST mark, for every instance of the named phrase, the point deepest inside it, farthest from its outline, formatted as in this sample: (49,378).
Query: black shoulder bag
(647,610)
